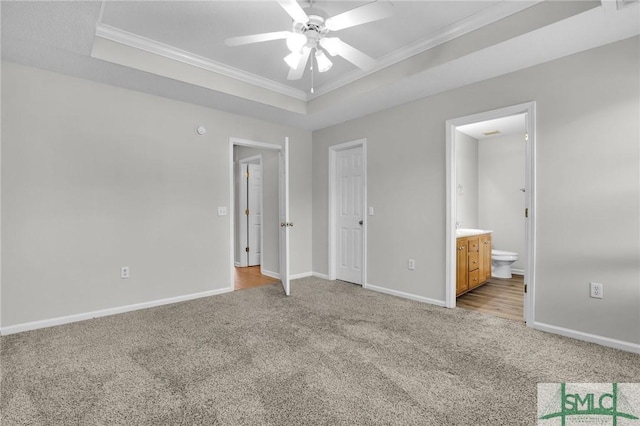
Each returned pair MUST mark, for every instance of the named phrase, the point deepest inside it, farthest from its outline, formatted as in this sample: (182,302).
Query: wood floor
(250,277)
(500,297)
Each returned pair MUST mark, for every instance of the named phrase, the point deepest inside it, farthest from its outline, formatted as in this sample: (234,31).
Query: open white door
(285,224)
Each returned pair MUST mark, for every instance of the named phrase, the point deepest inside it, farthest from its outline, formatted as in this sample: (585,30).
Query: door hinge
(246,174)
(526,212)
(525,288)
(246,212)
(247,250)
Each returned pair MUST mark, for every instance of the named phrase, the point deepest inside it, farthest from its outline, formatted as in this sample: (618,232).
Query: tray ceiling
(202,27)
(176,49)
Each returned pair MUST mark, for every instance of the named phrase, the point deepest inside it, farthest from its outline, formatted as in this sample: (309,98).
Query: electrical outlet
(124,272)
(411,264)
(597,291)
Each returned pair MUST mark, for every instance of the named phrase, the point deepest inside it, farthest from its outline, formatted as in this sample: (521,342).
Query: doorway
(347,207)
(259,205)
(494,202)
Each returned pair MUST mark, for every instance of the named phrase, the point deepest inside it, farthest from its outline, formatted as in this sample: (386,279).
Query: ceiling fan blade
(335,46)
(294,10)
(361,15)
(296,74)
(256,38)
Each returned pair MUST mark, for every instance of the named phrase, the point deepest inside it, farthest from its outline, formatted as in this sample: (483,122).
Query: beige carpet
(331,354)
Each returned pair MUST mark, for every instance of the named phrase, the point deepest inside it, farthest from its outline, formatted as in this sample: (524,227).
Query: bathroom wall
(270,261)
(467,180)
(501,173)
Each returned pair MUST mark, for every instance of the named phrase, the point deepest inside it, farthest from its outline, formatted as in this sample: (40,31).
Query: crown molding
(155,47)
(486,17)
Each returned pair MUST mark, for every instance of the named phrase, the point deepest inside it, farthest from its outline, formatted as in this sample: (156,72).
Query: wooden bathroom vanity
(473,261)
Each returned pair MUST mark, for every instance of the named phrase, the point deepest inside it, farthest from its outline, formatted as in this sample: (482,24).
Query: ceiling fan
(311,27)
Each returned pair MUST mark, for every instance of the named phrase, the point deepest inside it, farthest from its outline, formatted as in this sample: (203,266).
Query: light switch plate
(370,211)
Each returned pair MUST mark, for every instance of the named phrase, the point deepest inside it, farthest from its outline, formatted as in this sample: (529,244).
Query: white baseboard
(404,295)
(517,271)
(18,328)
(319,275)
(270,274)
(298,276)
(579,335)
(236,264)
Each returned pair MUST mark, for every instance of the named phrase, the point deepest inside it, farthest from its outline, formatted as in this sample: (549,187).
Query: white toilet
(501,262)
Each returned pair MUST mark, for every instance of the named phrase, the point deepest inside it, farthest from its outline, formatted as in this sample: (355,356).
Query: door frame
(332,205)
(243,230)
(232,222)
(528,108)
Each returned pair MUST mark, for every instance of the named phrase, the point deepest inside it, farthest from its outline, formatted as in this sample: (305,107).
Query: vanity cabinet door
(485,258)
(462,271)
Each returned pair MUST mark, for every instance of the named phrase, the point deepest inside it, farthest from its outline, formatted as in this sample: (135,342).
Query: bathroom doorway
(491,187)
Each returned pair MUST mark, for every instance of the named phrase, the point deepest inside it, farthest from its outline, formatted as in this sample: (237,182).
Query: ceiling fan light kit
(324,63)
(296,41)
(310,29)
(292,59)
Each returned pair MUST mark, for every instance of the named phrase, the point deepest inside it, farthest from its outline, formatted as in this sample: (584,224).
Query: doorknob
(361,222)
(286,224)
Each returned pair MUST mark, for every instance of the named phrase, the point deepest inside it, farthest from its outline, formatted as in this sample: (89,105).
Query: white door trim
(332,205)
(530,197)
(256,159)
(232,213)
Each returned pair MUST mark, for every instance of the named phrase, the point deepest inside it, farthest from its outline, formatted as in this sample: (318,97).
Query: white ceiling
(210,23)
(176,49)
(510,125)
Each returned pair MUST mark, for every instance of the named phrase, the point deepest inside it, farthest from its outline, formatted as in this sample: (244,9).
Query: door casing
(528,108)
(333,203)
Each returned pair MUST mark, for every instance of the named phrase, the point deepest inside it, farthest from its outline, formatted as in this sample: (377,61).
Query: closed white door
(349,214)
(254,217)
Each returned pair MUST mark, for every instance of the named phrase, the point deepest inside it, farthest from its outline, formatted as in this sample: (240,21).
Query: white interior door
(349,215)
(254,216)
(285,224)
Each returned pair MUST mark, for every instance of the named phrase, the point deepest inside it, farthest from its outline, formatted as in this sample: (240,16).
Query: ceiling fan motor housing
(315,29)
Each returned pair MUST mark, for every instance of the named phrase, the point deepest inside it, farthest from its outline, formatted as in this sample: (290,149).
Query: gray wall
(270,223)
(588,185)
(96,177)
(501,167)
(467,181)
